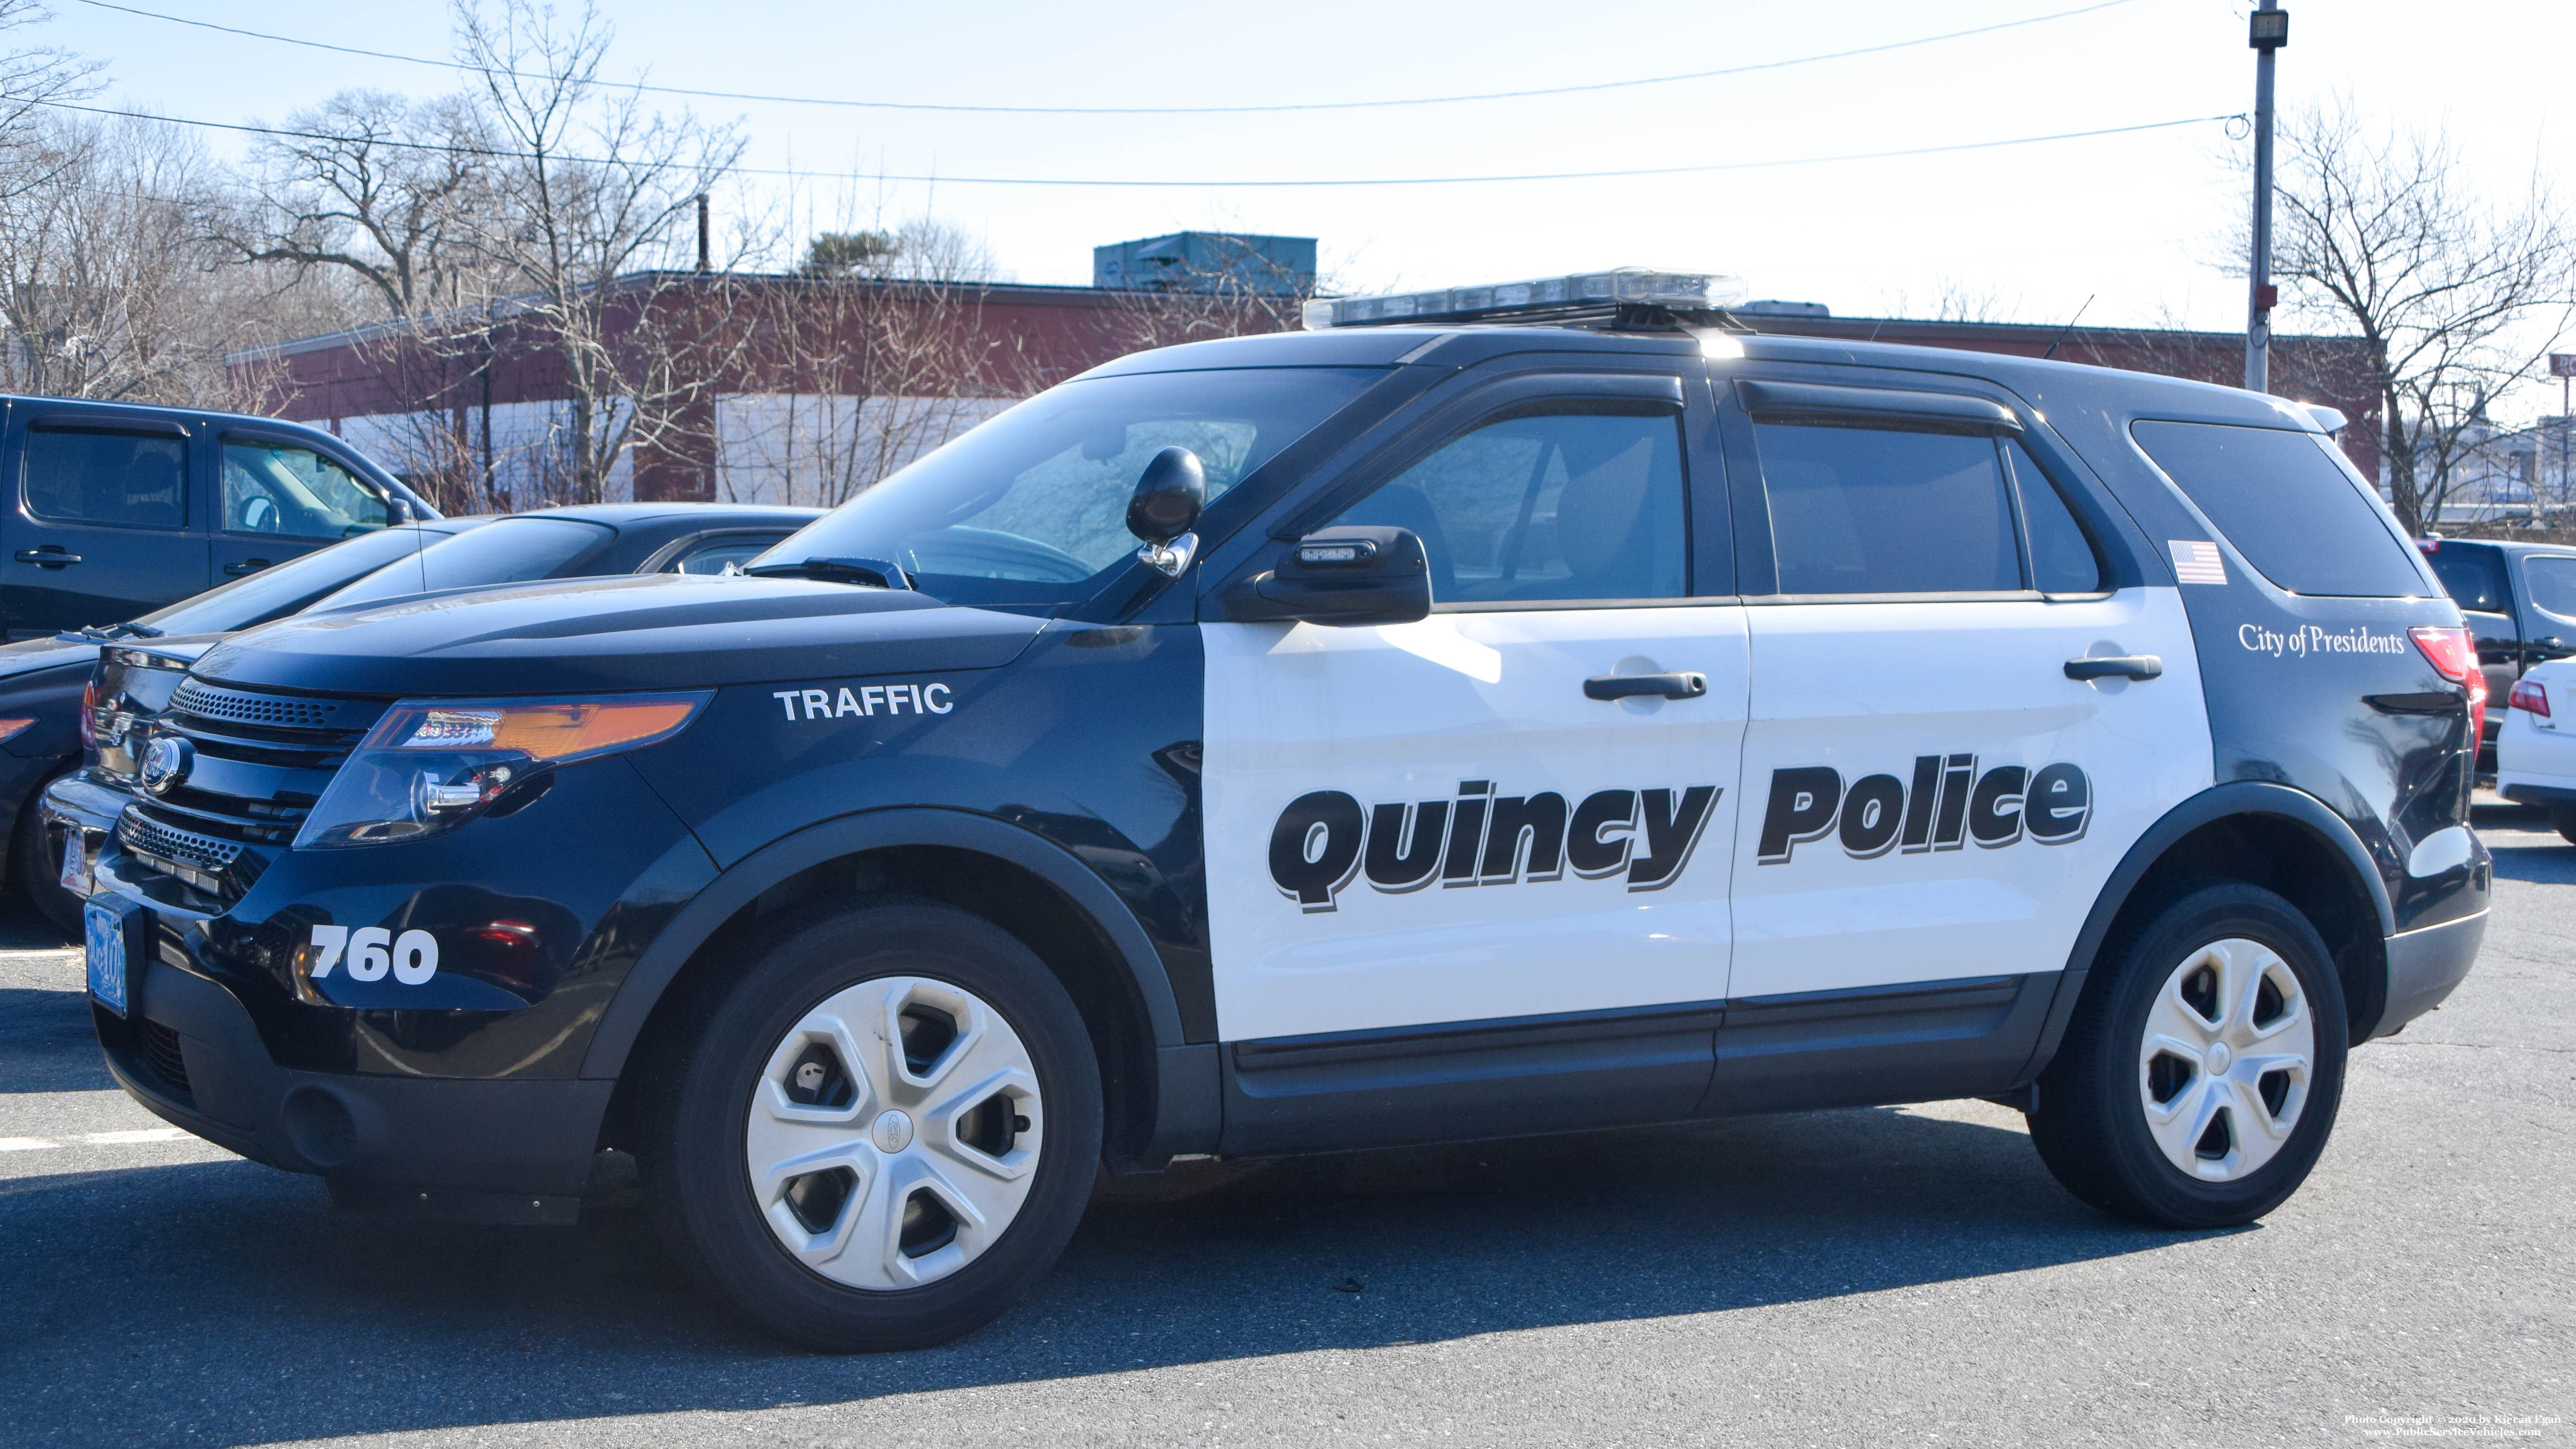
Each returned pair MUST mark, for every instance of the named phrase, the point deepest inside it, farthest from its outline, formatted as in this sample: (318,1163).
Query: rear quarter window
(2474,577)
(2295,514)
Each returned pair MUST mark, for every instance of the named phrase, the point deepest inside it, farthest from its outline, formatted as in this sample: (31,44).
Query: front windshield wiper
(875,572)
(95,634)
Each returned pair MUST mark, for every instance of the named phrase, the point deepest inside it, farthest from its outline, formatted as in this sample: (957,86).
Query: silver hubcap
(894,1133)
(2229,1053)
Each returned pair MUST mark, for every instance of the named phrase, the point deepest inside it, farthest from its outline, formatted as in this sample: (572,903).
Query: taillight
(2456,659)
(2530,696)
(89,715)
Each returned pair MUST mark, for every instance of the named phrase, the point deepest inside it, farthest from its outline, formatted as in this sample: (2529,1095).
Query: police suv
(1530,709)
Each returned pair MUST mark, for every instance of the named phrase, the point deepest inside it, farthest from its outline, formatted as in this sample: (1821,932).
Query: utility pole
(2268,32)
(705,257)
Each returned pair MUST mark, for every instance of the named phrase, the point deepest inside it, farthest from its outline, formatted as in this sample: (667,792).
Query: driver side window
(1579,503)
(289,492)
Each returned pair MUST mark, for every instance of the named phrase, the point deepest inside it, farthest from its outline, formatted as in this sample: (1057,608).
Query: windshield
(282,589)
(1031,507)
(509,551)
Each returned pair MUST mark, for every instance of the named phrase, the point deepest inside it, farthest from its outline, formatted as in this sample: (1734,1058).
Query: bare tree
(30,76)
(584,221)
(2459,296)
(875,352)
(372,184)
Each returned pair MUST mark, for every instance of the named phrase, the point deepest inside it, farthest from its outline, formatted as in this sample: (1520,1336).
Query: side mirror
(1165,507)
(1341,576)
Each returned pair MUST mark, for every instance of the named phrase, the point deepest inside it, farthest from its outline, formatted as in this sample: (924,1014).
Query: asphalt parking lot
(1890,1276)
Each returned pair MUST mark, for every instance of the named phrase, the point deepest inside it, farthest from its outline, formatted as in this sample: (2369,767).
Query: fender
(2240,797)
(878,830)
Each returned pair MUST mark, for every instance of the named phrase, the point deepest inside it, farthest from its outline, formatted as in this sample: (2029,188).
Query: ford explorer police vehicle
(1423,727)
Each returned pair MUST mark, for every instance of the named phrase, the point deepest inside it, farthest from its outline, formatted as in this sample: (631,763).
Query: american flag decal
(2196,563)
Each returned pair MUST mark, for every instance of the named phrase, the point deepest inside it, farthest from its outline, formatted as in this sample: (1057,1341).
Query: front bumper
(76,802)
(505,1151)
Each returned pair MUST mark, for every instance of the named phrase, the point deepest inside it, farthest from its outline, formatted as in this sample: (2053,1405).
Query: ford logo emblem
(165,763)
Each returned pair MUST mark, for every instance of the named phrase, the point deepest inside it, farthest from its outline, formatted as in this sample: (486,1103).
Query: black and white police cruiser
(1532,708)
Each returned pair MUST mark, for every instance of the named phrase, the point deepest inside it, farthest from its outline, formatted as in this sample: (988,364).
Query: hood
(656,631)
(30,655)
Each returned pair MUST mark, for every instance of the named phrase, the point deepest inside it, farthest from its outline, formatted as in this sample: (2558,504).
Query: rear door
(99,528)
(1450,892)
(1931,803)
(281,497)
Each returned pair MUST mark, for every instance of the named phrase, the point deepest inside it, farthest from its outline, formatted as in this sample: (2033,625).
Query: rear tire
(885,1131)
(34,871)
(2563,819)
(2199,1077)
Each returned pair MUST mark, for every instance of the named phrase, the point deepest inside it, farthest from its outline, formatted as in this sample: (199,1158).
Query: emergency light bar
(1582,295)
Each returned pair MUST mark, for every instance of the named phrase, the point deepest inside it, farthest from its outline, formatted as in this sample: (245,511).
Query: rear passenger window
(2295,515)
(2552,581)
(132,480)
(2062,560)
(1859,510)
(714,556)
(2474,577)
(1561,505)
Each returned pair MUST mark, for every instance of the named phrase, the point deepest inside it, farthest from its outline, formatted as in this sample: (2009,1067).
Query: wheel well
(2291,860)
(1010,896)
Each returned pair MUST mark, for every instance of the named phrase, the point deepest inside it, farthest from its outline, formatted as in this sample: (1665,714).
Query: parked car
(1355,738)
(2520,603)
(129,679)
(42,681)
(2536,743)
(116,509)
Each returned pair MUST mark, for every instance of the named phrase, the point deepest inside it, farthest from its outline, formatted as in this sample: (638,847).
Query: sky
(2132,229)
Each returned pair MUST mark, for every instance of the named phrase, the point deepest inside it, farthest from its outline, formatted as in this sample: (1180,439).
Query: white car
(2536,747)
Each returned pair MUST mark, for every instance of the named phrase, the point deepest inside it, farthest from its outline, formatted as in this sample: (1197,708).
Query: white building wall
(523,437)
(770,447)
(820,450)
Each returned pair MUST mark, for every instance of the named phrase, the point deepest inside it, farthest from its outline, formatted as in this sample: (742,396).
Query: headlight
(432,765)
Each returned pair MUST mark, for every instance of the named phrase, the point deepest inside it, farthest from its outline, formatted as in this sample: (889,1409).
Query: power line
(1139,110)
(1700,169)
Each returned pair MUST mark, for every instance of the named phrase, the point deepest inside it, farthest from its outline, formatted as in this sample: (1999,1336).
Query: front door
(282,498)
(1931,802)
(1451,890)
(100,529)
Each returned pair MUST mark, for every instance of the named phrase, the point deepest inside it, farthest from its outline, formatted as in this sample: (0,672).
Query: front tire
(38,874)
(2199,1078)
(885,1132)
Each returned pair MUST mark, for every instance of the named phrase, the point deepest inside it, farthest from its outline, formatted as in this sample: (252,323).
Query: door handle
(245,567)
(2126,666)
(48,557)
(1680,684)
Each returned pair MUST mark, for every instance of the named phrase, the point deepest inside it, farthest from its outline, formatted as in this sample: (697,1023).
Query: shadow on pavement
(22,929)
(224,1303)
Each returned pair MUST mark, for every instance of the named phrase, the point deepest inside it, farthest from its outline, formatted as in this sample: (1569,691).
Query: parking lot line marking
(24,1144)
(142,1134)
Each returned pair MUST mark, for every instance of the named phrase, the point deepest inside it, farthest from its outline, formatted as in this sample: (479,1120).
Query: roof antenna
(2070,327)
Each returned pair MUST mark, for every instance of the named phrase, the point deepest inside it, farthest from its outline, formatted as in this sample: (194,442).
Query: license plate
(75,876)
(105,930)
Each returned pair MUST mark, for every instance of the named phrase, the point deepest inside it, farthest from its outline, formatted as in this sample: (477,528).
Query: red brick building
(799,389)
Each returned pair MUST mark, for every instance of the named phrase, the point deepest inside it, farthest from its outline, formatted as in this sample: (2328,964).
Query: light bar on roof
(1536,298)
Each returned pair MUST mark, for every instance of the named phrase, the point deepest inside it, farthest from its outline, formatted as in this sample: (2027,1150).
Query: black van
(116,509)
